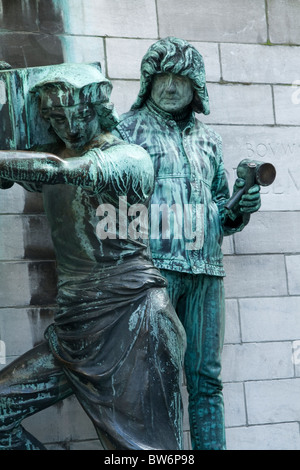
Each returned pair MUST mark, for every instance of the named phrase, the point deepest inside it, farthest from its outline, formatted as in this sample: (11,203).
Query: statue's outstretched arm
(121,169)
(46,168)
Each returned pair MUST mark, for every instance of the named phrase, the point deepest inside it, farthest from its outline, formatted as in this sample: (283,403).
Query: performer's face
(171,92)
(75,125)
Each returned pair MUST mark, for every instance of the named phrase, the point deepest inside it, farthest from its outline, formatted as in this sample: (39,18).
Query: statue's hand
(5,184)
(251,201)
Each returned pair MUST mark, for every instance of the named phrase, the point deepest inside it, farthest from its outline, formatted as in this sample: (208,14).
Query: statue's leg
(31,383)
(204,324)
(199,302)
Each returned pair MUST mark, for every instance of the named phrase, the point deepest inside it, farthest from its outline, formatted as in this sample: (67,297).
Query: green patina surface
(116,339)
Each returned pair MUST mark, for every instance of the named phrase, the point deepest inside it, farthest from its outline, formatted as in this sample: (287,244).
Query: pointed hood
(173,55)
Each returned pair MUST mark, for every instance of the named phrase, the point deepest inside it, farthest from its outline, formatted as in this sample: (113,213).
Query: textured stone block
(240,361)
(270,319)
(80,49)
(23,283)
(25,237)
(37,49)
(284,18)
(293,272)
(273,401)
(228,246)
(22,329)
(110,18)
(124,57)
(19,17)
(15,288)
(259,64)
(277,145)
(239,104)
(269,232)
(287,104)
(232,322)
(234,403)
(12,200)
(226,21)
(264,437)
(28,15)
(11,236)
(255,276)
(124,94)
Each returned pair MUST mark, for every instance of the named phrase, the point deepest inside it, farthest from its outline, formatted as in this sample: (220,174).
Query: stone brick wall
(251,51)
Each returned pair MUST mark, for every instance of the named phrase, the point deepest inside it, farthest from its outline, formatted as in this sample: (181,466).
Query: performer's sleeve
(221,194)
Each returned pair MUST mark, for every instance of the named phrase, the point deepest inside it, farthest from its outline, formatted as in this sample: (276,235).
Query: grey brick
(25,237)
(11,236)
(264,437)
(284,18)
(232,322)
(110,18)
(255,276)
(287,104)
(239,104)
(124,57)
(234,403)
(273,401)
(240,361)
(37,49)
(269,232)
(12,200)
(270,319)
(124,94)
(296,356)
(259,64)
(22,329)
(228,246)
(14,282)
(293,272)
(226,21)
(32,283)
(78,49)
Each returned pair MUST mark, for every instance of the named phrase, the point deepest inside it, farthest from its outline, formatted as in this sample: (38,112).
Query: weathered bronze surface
(190,180)
(116,341)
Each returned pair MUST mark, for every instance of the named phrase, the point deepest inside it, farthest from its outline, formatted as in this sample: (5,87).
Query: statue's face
(74,125)
(171,92)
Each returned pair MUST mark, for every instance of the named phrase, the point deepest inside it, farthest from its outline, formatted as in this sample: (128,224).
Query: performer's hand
(251,201)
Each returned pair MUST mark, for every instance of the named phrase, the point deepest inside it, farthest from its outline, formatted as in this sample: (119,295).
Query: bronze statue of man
(190,181)
(115,341)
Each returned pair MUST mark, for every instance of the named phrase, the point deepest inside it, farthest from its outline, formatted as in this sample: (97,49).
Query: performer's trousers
(200,304)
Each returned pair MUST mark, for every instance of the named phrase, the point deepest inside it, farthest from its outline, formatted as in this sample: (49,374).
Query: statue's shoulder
(208,132)
(110,143)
